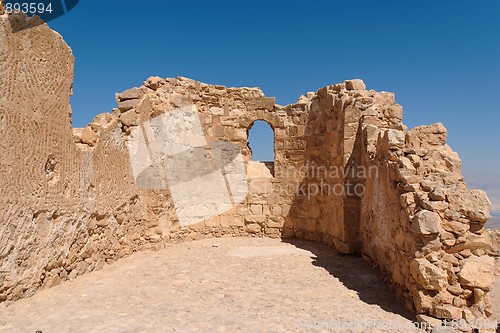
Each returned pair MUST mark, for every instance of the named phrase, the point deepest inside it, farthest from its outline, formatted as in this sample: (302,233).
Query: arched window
(261,143)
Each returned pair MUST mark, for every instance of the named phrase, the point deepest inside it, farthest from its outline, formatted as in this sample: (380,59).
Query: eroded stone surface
(73,201)
(477,272)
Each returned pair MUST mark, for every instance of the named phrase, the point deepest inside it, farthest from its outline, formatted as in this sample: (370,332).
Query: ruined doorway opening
(261,143)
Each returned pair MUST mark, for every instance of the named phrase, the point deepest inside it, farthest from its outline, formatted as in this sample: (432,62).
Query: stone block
(130,118)
(474,204)
(427,275)
(128,104)
(426,223)
(395,139)
(446,312)
(394,111)
(266,103)
(253,228)
(477,272)
(256,209)
(355,84)
(89,136)
(255,218)
(154,82)
(134,93)
(437,194)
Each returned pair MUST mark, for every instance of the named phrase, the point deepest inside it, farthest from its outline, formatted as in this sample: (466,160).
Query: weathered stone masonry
(70,203)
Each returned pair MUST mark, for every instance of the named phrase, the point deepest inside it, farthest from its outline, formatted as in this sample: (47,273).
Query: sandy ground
(218,285)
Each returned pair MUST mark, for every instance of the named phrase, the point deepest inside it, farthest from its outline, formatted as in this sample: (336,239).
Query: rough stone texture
(448,312)
(347,173)
(180,291)
(473,204)
(88,136)
(427,136)
(355,84)
(428,275)
(477,272)
(134,93)
(426,223)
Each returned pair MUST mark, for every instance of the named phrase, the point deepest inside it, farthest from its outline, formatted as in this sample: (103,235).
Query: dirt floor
(219,285)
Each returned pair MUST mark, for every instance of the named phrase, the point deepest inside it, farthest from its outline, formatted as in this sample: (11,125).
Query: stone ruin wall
(70,202)
(419,223)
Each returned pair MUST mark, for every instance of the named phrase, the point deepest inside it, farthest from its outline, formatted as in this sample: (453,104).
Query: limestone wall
(172,163)
(71,201)
(65,209)
(316,207)
(419,222)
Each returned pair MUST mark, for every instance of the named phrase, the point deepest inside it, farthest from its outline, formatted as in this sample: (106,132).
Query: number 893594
(28,7)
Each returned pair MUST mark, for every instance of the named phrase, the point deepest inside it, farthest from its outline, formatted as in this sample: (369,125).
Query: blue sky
(441,58)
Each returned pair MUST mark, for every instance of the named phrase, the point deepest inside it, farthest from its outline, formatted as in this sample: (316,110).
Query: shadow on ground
(356,274)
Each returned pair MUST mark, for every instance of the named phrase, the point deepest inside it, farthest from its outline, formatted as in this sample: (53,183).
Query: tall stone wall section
(347,173)
(418,221)
(316,208)
(66,208)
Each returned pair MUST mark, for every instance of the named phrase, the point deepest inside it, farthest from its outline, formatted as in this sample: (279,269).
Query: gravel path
(217,285)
